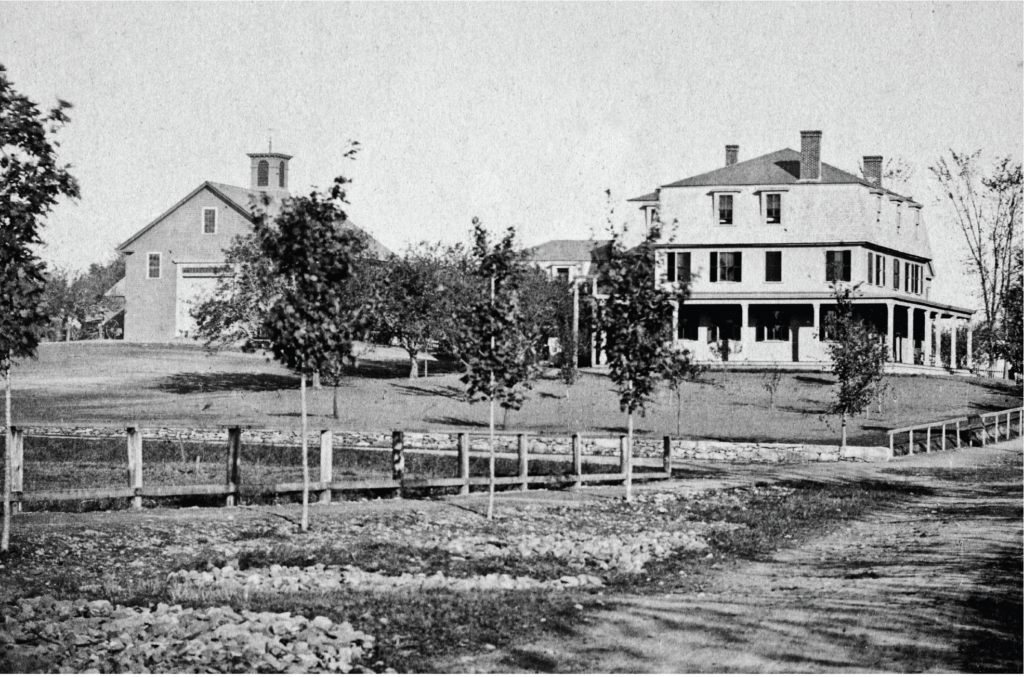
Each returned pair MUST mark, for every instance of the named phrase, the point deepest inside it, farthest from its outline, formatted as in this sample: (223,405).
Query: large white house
(762,240)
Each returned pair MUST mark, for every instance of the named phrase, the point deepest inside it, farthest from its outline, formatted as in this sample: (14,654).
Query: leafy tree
(497,348)
(418,296)
(31,182)
(771,380)
(235,314)
(677,369)
(637,322)
(986,206)
(310,322)
(76,303)
(858,355)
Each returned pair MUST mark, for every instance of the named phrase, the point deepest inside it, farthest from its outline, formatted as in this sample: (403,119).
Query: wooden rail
(959,426)
(325,488)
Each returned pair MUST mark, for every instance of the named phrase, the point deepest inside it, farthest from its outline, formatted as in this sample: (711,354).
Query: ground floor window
(773,326)
(687,327)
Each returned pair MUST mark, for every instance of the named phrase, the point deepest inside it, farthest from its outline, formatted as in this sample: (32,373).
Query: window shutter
(906,276)
(738,261)
(670,273)
(871,268)
(830,266)
(684,267)
(759,334)
(846,265)
(713,272)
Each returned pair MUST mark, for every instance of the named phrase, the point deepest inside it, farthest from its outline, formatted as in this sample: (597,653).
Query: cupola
(269,171)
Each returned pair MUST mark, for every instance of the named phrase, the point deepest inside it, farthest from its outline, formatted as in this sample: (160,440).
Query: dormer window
(773,208)
(263,173)
(725,210)
(281,168)
(209,221)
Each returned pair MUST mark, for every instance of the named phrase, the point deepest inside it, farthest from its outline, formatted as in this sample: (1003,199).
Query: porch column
(745,332)
(890,321)
(969,357)
(952,344)
(908,343)
(927,336)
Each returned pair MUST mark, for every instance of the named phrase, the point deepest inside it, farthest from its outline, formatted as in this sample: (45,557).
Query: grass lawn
(179,385)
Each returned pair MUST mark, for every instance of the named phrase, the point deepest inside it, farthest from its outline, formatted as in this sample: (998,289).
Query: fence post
(984,431)
(464,463)
(135,465)
(667,451)
(943,436)
(958,433)
(996,435)
(523,461)
(623,456)
(577,461)
(910,445)
(398,457)
(234,470)
(928,441)
(16,443)
(326,464)
(892,451)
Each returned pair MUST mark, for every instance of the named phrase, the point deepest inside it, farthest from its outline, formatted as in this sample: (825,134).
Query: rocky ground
(745,568)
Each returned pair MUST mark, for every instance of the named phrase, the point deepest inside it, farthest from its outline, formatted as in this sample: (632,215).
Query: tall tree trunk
(5,538)
(629,458)
(67,331)
(335,412)
(490,468)
(413,369)
(305,458)
(679,412)
(844,432)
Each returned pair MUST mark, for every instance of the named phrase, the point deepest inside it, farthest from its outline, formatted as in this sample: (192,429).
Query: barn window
(209,220)
(263,173)
(280,174)
(153,263)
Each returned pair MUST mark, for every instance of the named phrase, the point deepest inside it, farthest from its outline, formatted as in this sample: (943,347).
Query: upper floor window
(880,270)
(773,266)
(773,208)
(906,276)
(153,266)
(871,268)
(209,220)
(896,274)
(837,265)
(725,210)
(726,267)
(263,173)
(678,267)
(281,168)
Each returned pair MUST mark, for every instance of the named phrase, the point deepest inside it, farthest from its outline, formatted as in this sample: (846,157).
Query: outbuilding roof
(569,250)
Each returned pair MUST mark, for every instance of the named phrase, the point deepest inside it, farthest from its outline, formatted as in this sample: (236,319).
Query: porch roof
(780,297)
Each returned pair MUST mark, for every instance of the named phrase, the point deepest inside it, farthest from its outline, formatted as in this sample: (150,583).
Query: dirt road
(934,586)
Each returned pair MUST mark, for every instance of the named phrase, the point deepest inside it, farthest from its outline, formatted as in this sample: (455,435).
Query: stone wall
(644,447)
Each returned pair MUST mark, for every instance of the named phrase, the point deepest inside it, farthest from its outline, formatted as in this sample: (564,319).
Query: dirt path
(934,586)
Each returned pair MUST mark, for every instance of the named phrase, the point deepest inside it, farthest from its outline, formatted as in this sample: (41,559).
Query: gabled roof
(778,168)
(243,200)
(569,250)
(650,197)
(217,189)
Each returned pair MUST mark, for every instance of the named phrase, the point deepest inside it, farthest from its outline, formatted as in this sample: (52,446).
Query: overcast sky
(520,113)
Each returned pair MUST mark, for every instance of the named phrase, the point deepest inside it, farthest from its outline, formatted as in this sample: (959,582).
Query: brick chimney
(732,154)
(810,156)
(873,169)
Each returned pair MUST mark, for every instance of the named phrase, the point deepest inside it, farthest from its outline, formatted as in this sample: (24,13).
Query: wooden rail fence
(324,488)
(959,427)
